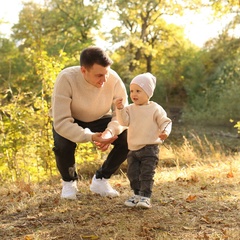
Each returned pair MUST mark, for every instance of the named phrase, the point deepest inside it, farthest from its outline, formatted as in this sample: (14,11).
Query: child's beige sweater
(74,98)
(145,123)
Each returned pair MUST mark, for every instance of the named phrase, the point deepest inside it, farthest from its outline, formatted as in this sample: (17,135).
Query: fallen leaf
(230,174)
(28,237)
(190,228)
(92,237)
(204,187)
(191,198)
(205,219)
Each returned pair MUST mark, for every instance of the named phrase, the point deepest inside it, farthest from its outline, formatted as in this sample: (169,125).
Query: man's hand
(102,146)
(101,141)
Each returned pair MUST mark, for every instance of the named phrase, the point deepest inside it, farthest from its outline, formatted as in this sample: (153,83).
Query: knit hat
(147,82)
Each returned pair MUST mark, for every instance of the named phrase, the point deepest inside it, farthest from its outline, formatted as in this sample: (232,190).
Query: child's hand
(163,135)
(107,134)
(118,103)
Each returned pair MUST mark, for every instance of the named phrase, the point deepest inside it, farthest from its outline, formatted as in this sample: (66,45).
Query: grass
(196,195)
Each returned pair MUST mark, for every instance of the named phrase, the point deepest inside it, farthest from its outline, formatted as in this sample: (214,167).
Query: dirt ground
(201,202)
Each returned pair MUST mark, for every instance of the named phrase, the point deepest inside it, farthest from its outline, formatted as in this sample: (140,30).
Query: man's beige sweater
(145,123)
(74,98)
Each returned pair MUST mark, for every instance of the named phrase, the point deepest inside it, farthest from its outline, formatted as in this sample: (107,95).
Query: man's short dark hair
(94,55)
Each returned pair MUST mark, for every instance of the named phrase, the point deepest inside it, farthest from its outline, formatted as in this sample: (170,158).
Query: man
(83,111)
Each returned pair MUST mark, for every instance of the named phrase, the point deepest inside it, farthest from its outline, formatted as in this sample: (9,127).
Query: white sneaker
(144,202)
(132,201)
(69,190)
(102,187)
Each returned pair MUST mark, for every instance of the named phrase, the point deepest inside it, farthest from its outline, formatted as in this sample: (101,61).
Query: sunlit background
(198,27)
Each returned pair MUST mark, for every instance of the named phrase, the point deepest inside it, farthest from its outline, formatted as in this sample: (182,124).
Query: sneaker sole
(104,194)
(143,206)
(130,205)
(69,198)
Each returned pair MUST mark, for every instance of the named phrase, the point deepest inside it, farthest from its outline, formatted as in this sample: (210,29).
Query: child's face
(138,95)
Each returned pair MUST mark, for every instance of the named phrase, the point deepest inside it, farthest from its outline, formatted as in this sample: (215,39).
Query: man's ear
(83,69)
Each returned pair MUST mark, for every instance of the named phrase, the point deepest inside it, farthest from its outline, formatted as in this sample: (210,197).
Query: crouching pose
(83,111)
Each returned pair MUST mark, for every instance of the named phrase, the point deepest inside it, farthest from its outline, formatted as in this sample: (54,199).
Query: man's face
(97,75)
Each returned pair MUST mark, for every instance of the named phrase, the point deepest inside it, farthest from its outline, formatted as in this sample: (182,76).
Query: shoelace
(145,201)
(132,199)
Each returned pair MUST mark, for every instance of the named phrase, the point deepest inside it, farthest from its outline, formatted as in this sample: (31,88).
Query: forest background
(197,86)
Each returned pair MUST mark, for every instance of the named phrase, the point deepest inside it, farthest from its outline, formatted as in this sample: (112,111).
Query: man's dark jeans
(65,152)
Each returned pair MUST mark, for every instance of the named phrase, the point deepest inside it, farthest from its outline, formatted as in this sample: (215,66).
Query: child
(148,126)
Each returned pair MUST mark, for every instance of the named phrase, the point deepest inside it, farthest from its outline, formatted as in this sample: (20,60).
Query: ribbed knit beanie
(146,81)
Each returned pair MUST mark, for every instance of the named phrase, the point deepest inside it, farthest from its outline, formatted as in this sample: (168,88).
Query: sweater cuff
(111,131)
(89,137)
